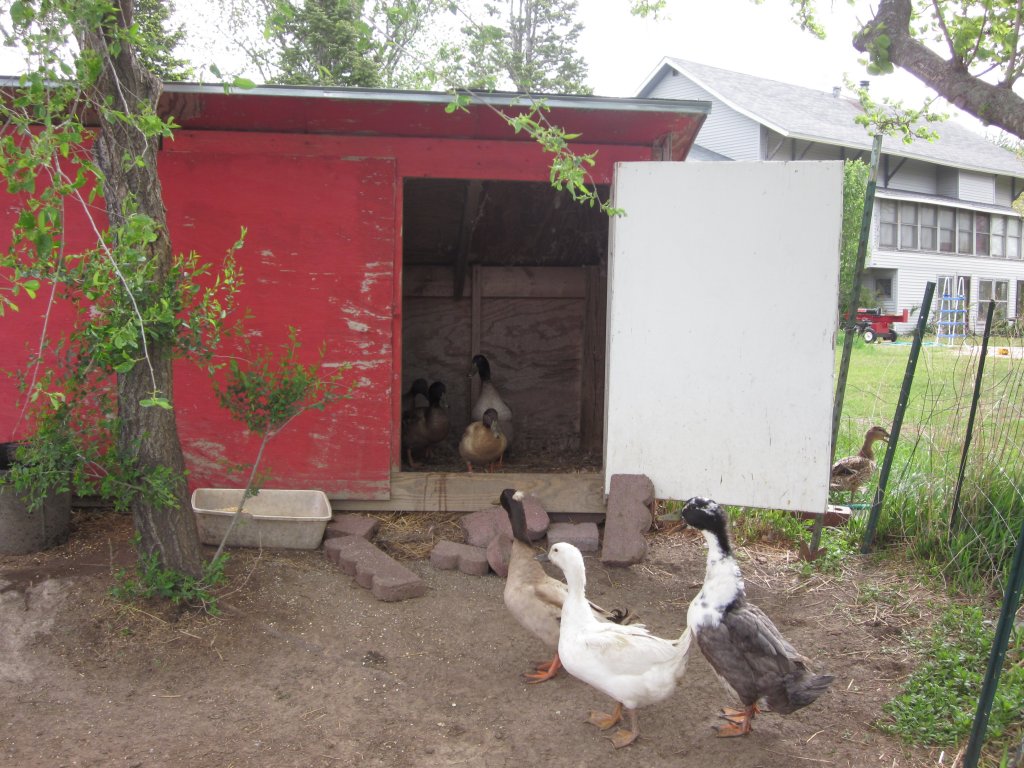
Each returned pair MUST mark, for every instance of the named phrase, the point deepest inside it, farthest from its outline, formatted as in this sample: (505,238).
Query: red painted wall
(322,254)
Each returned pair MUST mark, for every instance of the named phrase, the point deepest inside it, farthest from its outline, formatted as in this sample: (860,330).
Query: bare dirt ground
(304,668)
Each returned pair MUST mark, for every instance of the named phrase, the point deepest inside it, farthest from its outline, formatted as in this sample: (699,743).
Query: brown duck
(853,472)
(534,598)
(483,442)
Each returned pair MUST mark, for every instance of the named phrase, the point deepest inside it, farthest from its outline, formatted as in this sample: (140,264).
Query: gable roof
(810,115)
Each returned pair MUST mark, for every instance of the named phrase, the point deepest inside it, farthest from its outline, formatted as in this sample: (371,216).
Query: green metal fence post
(1011,601)
(954,514)
(897,419)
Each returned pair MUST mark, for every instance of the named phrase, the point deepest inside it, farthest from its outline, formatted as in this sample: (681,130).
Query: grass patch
(938,704)
(151,580)
(970,554)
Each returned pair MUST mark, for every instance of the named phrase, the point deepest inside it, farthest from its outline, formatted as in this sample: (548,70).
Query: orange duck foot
(544,671)
(626,736)
(739,715)
(737,724)
(603,720)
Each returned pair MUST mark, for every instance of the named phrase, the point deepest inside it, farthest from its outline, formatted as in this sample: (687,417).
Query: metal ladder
(951,327)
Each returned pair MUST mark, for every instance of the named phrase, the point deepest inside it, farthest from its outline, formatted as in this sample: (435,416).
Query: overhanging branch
(992,104)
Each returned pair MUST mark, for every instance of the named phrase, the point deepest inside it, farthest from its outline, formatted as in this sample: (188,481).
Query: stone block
(478,528)
(352,525)
(449,555)
(373,569)
(537,520)
(629,516)
(499,552)
(584,536)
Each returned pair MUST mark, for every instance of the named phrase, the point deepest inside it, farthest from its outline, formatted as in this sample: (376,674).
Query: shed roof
(380,112)
(811,115)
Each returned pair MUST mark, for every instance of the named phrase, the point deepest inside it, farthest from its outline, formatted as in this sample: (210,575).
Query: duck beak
(542,557)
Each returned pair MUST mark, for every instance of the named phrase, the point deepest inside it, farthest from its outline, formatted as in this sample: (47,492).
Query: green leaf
(156,402)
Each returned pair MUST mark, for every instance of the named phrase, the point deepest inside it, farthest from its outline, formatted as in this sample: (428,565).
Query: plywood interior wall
(517,272)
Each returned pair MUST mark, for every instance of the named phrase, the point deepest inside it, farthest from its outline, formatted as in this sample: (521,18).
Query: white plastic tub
(272,519)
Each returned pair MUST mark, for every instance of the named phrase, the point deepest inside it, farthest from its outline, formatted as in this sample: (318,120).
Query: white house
(942,210)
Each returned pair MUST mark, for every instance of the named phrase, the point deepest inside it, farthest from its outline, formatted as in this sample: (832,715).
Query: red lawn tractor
(873,325)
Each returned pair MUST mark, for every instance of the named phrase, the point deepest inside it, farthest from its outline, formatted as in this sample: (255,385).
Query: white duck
(625,662)
(534,598)
(748,653)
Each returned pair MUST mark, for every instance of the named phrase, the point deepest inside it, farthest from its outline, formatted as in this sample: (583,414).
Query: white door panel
(723,282)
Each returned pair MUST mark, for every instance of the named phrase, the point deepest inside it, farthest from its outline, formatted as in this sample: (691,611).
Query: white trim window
(907,226)
(947,230)
(888,216)
(996,290)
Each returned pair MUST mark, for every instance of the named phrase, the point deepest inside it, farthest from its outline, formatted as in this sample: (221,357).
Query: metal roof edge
(489,99)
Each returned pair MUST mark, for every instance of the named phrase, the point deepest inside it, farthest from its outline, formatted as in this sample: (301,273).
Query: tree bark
(992,104)
(148,433)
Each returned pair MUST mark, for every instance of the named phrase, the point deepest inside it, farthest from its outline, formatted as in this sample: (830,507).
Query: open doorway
(516,271)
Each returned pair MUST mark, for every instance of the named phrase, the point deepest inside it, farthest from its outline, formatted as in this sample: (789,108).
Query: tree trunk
(992,104)
(148,433)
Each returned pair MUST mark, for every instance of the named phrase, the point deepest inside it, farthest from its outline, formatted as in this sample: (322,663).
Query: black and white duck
(626,662)
(748,653)
(534,598)
(490,397)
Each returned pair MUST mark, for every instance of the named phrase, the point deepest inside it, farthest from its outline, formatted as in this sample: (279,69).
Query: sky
(622,50)
(739,35)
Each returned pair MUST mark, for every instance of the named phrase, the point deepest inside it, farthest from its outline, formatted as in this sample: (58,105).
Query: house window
(965,232)
(1013,238)
(887,225)
(992,290)
(1020,300)
(998,237)
(982,226)
(913,227)
(947,226)
(883,287)
(908,226)
(929,228)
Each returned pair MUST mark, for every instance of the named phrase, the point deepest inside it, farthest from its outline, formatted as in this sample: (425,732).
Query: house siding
(911,176)
(948,182)
(725,131)
(1004,190)
(977,187)
(916,268)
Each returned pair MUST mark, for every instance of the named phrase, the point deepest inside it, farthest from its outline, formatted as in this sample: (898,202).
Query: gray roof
(811,115)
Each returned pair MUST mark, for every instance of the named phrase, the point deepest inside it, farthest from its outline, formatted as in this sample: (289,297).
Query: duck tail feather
(803,690)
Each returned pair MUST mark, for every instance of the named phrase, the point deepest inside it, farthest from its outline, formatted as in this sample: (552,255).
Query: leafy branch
(569,171)
(266,391)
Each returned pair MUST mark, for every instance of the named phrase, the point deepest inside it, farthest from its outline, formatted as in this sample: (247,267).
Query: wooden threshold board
(575,498)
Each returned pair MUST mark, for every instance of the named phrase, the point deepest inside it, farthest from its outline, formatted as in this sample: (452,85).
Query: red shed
(404,239)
